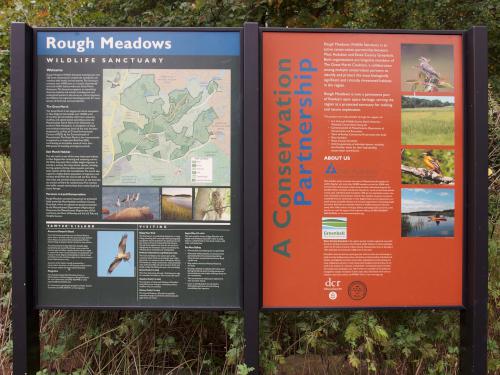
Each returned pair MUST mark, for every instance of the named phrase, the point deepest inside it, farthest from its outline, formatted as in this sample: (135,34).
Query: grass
(407,226)
(5,268)
(173,211)
(428,126)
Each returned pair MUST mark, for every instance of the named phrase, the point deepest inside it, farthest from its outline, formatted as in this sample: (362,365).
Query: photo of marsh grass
(427,68)
(176,204)
(427,212)
(428,120)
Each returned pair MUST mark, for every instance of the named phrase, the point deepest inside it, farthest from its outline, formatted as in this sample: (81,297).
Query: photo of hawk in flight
(121,255)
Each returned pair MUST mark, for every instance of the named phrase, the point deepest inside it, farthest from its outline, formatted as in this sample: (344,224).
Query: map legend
(201,170)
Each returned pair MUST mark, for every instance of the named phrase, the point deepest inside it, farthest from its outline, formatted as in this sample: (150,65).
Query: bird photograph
(122,255)
(435,166)
(427,68)
(431,163)
(130,204)
(116,81)
(115,254)
(118,203)
(126,200)
(212,204)
(430,78)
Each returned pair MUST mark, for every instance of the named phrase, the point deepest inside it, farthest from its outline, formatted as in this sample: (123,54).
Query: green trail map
(166,127)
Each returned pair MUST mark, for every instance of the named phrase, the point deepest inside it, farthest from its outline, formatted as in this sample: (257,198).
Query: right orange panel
(362,170)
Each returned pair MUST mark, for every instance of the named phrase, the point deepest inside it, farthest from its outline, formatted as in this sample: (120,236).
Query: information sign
(363,170)
(138,168)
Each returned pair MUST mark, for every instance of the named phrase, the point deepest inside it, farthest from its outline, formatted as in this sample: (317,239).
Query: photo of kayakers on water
(427,166)
(427,68)
(427,212)
(130,204)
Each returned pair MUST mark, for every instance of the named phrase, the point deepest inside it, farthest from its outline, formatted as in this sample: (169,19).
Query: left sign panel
(138,169)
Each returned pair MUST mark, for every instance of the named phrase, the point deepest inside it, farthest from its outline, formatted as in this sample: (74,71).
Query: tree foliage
(416,102)
(374,14)
(400,342)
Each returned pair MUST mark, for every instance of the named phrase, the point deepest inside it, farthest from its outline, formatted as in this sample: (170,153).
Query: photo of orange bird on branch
(419,166)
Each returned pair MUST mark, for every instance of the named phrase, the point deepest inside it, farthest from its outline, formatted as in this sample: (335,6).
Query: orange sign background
(424,271)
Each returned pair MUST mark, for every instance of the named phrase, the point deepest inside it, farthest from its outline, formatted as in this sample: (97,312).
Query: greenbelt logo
(334,228)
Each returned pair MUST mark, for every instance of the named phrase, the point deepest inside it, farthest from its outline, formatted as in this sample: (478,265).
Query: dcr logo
(332,283)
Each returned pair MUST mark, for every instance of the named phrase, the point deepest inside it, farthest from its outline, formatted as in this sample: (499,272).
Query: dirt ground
(316,365)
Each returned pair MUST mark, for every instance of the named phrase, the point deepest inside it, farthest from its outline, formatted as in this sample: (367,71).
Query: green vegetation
(420,225)
(412,157)
(407,226)
(426,84)
(173,211)
(448,213)
(427,126)
(5,268)
(334,223)
(416,102)
(117,342)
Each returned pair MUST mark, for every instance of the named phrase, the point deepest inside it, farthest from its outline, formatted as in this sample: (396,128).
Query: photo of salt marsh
(176,204)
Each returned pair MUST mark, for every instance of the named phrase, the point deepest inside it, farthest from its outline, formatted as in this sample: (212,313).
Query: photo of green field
(427,167)
(428,120)
(177,204)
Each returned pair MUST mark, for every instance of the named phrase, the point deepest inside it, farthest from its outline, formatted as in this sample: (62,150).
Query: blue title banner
(175,43)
